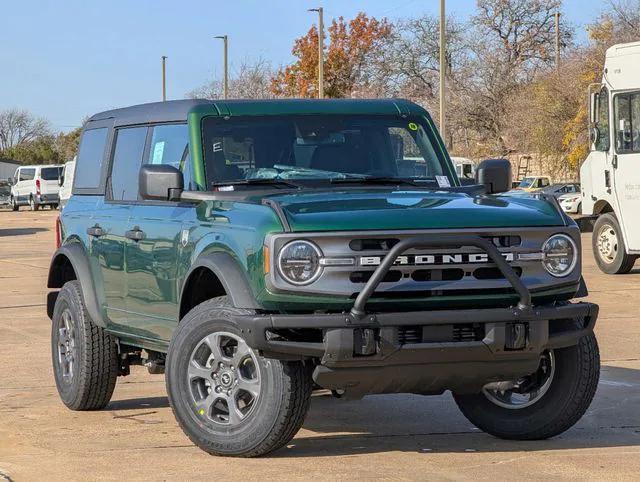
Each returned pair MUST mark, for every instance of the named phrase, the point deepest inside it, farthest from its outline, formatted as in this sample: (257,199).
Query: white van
(36,186)
(66,182)
(610,175)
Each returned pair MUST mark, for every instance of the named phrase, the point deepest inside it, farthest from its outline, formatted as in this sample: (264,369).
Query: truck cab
(610,176)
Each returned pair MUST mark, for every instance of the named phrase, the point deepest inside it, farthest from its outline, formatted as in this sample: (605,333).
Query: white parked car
(571,203)
(36,186)
(66,182)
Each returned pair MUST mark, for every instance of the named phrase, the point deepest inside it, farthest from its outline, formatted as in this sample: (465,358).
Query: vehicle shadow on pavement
(21,231)
(138,403)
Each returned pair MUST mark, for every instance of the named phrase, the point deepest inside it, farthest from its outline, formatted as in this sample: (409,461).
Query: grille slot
(392,276)
(373,244)
(493,273)
(467,332)
(451,274)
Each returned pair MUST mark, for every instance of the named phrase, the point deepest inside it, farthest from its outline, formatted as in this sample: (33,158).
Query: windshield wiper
(374,180)
(258,182)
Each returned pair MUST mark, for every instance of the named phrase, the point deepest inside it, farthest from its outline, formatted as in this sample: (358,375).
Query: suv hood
(361,210)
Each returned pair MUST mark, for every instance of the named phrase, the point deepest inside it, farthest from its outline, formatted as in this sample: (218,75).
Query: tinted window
(627,123)
(51,173)
(170,145)
(90,158)
(127,159)
(27,174)
(602,143)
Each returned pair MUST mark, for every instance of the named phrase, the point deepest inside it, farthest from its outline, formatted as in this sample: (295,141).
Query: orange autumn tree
(351,47)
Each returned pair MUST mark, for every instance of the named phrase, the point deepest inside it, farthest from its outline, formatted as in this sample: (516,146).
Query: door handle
(95,231)
(136,234)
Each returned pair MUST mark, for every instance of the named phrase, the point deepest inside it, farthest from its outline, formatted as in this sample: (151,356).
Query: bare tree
(625,18)
(20,127)
(252,80)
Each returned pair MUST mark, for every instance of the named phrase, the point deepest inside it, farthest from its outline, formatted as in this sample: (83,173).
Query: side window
(170,146)
(89,160)
(544,182)
(603,143)
(27,174)
(127,158)
(627,123)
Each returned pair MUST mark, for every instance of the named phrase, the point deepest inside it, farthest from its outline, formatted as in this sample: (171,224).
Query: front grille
(467,332)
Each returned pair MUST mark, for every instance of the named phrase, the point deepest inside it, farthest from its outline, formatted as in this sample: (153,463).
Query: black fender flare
(231,275)
(79,260)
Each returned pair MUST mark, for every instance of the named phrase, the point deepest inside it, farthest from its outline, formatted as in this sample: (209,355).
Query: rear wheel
(85,357)
(608,246)
(543,404)
(226,397)
(14,204)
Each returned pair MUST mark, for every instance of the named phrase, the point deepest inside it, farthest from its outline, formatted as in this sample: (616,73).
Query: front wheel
(543,404)
(608,246)
(33,205)
(227,398)
(14,204)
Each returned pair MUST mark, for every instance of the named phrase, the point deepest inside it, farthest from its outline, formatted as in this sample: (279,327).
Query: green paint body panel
(139,284)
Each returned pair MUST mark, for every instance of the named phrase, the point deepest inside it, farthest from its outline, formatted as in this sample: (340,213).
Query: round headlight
(299,262)
(559,255)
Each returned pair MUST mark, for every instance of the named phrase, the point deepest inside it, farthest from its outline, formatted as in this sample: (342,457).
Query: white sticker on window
(443,181)
(217,147)
(158,152)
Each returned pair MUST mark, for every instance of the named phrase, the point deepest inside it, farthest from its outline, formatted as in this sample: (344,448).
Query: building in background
(8,168)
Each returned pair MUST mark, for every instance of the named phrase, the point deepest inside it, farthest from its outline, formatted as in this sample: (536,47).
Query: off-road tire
(568,398)
(623,262)
(280,410)
(95,355)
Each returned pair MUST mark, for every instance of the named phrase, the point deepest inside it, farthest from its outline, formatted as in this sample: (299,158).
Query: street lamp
(320,50)
(225,83)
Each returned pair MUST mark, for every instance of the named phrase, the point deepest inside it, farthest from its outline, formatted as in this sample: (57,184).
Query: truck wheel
(226,397)
(14,204)
(543,404)
(85,357)
(608,246)
(33,205)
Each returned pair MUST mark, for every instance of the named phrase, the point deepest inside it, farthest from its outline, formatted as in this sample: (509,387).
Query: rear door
(152,261)
(627,164)
(49,180)
(26,184)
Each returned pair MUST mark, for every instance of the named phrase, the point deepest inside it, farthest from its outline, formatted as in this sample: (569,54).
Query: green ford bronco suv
(254,251)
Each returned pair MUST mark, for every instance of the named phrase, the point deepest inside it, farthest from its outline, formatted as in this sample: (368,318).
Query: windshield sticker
(413,126)
(443,181)
(158,152)
(217,147)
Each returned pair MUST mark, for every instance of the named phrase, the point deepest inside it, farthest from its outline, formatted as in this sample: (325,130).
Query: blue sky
(67,59)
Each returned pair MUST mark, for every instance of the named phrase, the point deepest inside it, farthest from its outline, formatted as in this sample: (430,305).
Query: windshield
(51,173)
(317,147)
(526,182)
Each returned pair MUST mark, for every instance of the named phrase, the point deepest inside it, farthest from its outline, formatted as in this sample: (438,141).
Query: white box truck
(610,175)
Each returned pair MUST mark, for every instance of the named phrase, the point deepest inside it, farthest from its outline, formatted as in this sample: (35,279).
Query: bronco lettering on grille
(434,259)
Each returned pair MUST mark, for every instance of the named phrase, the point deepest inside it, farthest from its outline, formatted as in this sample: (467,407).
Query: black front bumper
(427,367)
(362,352)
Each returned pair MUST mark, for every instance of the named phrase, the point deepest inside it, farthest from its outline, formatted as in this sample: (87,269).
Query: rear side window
(127,159)
(27,174)
(51,173)
(89,160)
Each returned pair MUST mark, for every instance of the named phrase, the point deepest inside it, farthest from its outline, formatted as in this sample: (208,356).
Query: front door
(627,165)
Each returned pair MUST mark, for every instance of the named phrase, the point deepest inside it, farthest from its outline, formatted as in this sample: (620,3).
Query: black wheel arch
(228,278)
(71,262)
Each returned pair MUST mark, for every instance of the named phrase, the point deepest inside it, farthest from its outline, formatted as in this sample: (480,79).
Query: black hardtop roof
(178,110)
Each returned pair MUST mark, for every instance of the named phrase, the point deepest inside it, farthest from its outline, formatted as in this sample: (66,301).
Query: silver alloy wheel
(607,243)
(66,346)
(224,378)
(523,393)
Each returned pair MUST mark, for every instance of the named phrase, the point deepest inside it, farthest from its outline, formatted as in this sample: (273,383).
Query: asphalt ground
(390,436)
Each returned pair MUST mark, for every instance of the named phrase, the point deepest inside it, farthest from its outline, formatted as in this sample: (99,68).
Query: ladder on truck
(523,167)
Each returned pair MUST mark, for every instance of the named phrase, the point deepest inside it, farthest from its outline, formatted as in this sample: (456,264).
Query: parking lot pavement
(399,436)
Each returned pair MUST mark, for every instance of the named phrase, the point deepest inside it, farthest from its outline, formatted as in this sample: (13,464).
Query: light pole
(225,82)
(443,68)
(320,11)
(557,18)
(164,78)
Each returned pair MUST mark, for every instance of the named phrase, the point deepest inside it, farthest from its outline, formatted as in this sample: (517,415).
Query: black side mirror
(60,181)
(495,175)
(160,182)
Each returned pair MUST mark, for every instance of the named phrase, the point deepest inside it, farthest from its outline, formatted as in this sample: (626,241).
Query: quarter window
(90,155)
(170,146)
(127,159)
(627,122)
